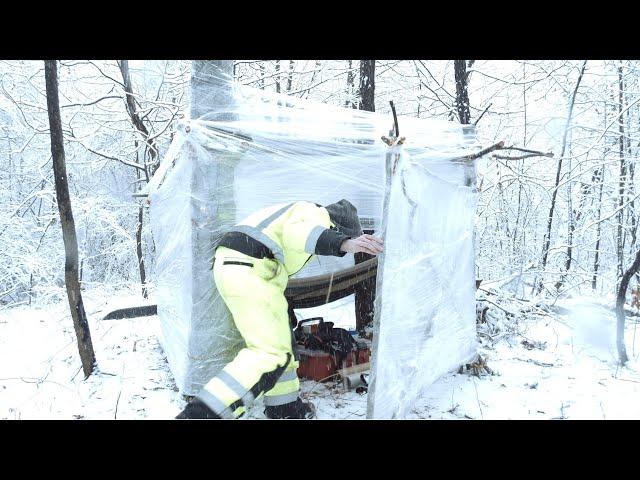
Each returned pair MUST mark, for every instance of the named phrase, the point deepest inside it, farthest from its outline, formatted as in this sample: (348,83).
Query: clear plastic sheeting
(426,288)
(250,149)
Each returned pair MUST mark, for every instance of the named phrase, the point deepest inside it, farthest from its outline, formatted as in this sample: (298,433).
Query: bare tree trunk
(574,216)
(524,104)
(623,174)
(547,237)
(367,85)
(290,76)
(462,95)
(365,293)
(149,169)
(622,293)
(262,75)
(143,276)
(514,240)
(596,261)
(80,323)
(349,103)
(419,97)
(464,114)
(631,190)
(571,223)
(520,164)
(278,76)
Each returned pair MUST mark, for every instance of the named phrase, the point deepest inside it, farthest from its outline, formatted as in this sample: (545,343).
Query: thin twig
(501,308)
(109,157)
(477,398)
(36,381)
(76,374)
(473,156)
(329,289)
(522,157)
(526,150)
(115,415)
(535,362)
(91,103)
(627,380)
(482,114)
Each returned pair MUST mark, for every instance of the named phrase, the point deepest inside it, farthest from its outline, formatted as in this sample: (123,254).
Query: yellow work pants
(253,290)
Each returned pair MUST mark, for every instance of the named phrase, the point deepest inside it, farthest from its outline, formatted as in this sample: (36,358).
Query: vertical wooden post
(365,292)
(389,160)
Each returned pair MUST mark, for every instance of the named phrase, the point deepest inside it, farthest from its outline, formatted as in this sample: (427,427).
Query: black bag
(338,342)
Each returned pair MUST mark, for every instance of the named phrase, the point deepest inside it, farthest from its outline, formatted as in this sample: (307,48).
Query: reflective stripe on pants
(286,390)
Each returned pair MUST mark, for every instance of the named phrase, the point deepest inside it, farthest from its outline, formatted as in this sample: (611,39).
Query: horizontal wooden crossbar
(321,289)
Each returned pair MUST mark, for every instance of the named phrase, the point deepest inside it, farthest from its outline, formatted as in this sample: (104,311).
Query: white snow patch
(572,372)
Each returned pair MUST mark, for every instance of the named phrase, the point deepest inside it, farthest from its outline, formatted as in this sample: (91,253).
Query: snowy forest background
(581,118)
(556,230)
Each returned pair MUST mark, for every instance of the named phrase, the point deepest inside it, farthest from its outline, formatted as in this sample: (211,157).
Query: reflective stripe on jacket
(294,232)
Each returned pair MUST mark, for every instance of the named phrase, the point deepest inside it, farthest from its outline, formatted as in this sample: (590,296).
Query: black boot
(293,410)
(197,409)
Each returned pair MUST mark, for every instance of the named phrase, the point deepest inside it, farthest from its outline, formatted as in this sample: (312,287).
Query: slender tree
(72,282)
(600,177)
(547,237)
(365,293)
(290,76)
(150,151)
(149,167)
(631,187)
(263,74)
(623,174)
(367,85)
(462,94)
(349,103)
(596,259)
(140,255)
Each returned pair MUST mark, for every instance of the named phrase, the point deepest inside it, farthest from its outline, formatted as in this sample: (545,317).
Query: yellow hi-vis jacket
(294,233)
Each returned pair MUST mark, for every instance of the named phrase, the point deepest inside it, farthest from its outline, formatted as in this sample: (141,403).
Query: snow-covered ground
(546,366)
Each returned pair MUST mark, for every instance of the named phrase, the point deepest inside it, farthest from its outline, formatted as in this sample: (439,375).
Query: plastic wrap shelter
(249,149)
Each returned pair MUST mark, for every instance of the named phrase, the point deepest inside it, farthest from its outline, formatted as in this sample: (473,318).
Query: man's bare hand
(364,243)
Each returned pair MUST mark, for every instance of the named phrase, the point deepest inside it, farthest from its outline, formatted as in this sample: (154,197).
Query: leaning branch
(482,114)
(130,164)
(481,153)
(528,154)
(108,97)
